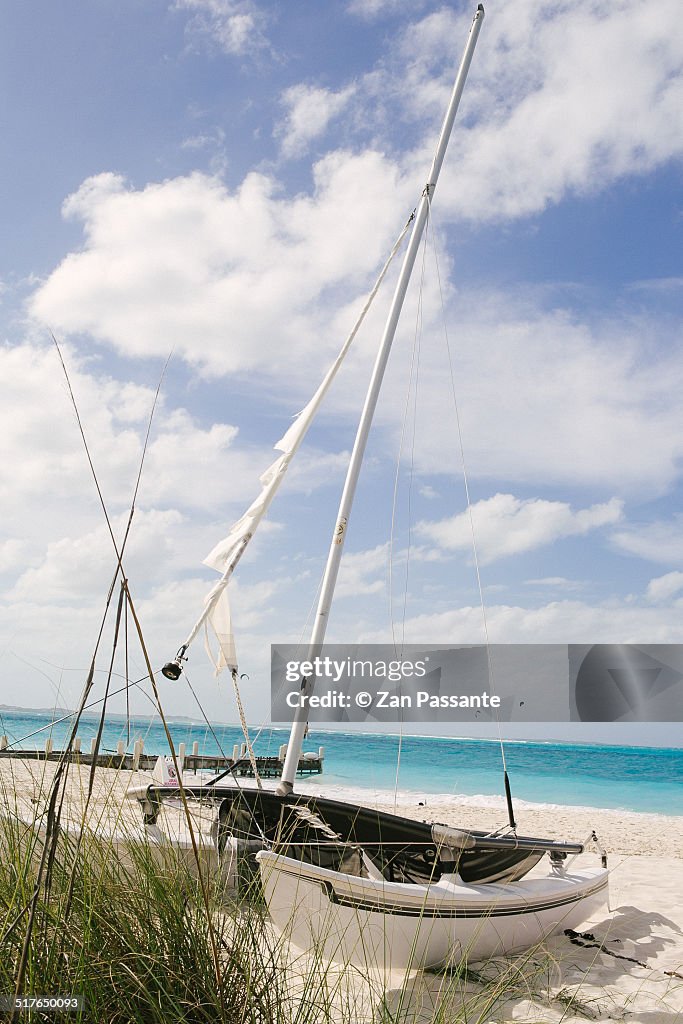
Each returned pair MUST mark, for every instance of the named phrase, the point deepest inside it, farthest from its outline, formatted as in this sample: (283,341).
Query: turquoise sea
(630,778)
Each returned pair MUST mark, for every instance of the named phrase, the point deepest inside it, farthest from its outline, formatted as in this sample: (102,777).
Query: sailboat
(358,884)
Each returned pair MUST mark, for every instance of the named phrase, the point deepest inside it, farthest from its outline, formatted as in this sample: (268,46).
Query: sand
(627,966)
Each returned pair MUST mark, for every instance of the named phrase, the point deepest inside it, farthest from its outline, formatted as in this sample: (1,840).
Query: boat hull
(374,923)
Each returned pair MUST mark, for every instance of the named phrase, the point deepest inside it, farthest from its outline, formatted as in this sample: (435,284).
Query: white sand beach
(626,964)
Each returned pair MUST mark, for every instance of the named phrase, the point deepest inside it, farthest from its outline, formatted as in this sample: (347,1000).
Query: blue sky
(222,179)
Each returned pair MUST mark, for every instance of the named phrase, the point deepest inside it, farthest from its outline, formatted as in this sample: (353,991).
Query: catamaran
(357,883)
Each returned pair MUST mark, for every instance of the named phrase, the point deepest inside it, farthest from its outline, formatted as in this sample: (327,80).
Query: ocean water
(644,779)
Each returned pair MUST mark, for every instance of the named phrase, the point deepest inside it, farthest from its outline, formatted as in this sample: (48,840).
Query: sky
(219,182)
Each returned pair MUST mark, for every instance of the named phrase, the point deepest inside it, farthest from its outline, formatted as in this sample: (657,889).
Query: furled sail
(215,617)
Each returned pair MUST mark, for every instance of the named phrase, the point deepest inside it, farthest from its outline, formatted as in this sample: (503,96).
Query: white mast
(334,557)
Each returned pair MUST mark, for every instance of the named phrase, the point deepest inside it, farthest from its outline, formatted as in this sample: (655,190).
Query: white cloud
(363,572)
(505,525)
(561,99)
(556,582)
(373,8)
(13,554)
(566,98)
(547,397)
(309,111)
(230,281)
(196,482)
(251,281)
(559,622)
(77,568)
(660,541)
(236,26)
(254,281)
(660,286)
(41,453)
(663,588)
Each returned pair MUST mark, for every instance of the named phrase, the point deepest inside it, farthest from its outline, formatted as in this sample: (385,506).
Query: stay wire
(414,375)
(471,521)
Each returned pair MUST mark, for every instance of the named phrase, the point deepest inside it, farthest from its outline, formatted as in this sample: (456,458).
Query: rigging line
(414,372)
(245,732)
(394,506)
(419,329)
(100,727)
(471,522)
(269,725)
(305,628)
(209,727)
(85,443)
(72,714)
(126,670)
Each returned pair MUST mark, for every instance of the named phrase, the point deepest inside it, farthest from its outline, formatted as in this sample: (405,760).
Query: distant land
(55,713)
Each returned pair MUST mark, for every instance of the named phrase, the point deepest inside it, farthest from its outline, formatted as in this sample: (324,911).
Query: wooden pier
(138,760)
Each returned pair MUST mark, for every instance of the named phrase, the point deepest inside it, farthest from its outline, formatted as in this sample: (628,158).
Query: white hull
(375,923)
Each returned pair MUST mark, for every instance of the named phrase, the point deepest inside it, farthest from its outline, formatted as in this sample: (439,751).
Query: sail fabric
(219,622)
(222,554)
(225,555)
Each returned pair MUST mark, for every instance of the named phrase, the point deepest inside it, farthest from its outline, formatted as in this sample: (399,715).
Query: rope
(245,730)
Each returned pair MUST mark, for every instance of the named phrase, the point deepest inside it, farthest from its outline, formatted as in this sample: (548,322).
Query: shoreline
(483,801)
